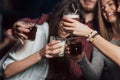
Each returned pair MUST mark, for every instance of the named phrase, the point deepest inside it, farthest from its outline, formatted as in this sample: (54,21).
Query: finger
(62,31)
(21,40)
(23,24)
(70,29)
(70,20)
(67,24)
(67,48)
(23,35)
(56,46)
(53,42)
(21,29)
(67,52)
(48,56)
(56,51)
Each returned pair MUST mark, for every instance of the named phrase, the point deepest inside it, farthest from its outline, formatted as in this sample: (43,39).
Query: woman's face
(109,10)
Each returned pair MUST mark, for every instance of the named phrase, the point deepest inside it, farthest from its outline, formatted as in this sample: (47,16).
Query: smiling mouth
(110,14)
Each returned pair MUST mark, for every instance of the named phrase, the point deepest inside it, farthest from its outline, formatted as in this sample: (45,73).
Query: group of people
(99,24)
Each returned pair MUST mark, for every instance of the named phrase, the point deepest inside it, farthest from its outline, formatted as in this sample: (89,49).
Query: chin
(89,9)
(112,20)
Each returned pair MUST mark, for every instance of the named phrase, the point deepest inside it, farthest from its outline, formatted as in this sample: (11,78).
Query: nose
(118,8)
(106,9)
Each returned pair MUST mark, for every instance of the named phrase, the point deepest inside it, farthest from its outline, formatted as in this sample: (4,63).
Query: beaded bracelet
(91,36)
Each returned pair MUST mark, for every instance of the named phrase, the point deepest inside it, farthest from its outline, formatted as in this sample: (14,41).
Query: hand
(75,56)
(62,32)
(52,48)
(19,30)
(76,27)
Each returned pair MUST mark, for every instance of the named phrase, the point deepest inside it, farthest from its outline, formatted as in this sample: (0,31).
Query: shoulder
(44,25)
(39,20)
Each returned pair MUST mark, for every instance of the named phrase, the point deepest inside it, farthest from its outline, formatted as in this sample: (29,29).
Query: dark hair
(57,14)
(55,18)
(66,6)
(95,18)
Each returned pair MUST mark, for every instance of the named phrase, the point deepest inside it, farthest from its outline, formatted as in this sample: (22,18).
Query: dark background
(12,10)
(29,8)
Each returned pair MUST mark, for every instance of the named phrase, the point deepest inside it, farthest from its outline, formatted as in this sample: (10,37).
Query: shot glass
(63,42)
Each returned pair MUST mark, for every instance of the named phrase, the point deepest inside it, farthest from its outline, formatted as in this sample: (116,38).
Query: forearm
(109,49)
(18,66)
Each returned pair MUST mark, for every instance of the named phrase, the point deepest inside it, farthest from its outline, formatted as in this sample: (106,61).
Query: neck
(116,33)
(88,17)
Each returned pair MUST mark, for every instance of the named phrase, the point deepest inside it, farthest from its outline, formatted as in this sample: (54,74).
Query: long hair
(105,28)
(54,20)
(61,7)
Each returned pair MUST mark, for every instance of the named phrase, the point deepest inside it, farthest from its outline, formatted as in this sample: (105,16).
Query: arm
(107,48)
(13,69)
(22,26)
(29,53)
(92,70)
(53,47)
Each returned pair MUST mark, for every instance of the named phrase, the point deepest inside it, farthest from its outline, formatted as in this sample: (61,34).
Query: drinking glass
(31,35)
(72,15)
(75,45)
(63,42)
(73,42)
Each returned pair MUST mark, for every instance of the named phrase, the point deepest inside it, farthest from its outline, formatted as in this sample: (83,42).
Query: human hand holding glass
(74,46)
(62,42)
(73,41)
(23,30)
(70,15)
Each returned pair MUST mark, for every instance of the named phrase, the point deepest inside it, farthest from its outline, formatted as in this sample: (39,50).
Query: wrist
(42,53)
(88,32)
(92,35)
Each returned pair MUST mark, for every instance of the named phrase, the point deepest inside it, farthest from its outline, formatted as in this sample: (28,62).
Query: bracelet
(92,35)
